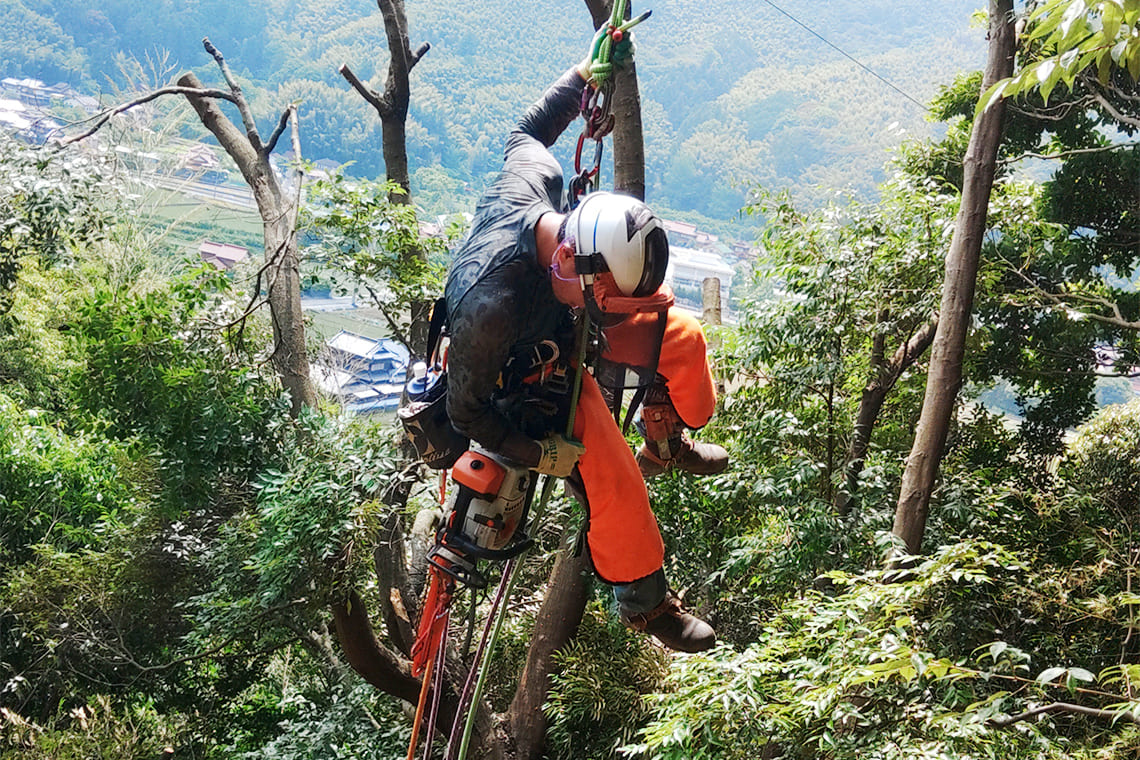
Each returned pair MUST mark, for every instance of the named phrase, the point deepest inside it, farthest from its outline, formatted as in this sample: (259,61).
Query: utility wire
(848,56)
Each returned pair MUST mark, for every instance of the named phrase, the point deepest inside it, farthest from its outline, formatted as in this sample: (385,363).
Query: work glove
(559,455)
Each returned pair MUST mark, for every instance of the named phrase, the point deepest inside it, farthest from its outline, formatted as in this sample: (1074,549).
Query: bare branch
(102,118)
(238,98)
(1063,301)
(365,91)
(280,129)
(397,332)
(1065,707)
(421,51)
(1067,153)
(1103,101)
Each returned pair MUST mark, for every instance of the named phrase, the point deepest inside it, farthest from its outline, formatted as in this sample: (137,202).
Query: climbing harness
(597,100)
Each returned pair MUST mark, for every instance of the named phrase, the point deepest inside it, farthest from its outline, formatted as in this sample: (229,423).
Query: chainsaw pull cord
(499,612)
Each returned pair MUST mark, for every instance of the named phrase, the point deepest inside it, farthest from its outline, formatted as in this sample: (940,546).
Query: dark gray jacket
(499,299)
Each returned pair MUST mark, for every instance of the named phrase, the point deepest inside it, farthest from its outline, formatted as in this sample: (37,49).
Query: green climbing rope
(608,40)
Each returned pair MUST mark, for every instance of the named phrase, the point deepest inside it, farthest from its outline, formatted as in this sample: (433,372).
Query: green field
(360,321)
(186,220)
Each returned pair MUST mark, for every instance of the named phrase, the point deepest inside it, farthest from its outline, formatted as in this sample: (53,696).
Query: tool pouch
(425,419)
(429,428)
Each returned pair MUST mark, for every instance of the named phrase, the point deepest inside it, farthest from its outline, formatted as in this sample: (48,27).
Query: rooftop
(367,348)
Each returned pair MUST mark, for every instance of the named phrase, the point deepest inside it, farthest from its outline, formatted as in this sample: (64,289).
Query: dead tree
(392,108)
(392,104)
(280,274)
(945,375)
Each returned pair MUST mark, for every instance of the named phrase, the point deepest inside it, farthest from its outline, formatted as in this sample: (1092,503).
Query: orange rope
(420,709)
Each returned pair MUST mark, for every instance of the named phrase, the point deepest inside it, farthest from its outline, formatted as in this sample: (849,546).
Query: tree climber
(510,293)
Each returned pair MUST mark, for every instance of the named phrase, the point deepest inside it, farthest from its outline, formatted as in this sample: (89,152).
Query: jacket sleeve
(548,118)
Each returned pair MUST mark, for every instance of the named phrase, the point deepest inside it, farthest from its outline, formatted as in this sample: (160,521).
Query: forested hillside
(734,95)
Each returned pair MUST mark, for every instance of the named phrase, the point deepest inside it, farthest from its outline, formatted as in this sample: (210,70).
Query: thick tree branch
(365,91)
(238,99)
(375,663)
(1065,707)
(102,118)
(906,354)
(396,29)
(421,51)
(229,136)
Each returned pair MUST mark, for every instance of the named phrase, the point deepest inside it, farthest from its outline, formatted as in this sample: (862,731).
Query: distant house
(200,157)
(29,90)
(688,269)
(680,233)
(222,255)
(364,374)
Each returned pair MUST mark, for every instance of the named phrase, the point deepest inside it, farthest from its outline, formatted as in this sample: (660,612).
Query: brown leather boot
(667,443)
(691,456)
(672,626)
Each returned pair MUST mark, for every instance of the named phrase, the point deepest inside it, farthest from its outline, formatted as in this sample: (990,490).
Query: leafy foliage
(370,243)
(597,696)
(48,205)
(55,488)
(1076,35)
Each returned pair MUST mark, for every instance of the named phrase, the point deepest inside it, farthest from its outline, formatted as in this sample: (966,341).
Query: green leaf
(1081,674)
(1050,674)
(1112,16)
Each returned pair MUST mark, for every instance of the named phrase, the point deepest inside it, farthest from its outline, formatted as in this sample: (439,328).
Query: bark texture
(945,374)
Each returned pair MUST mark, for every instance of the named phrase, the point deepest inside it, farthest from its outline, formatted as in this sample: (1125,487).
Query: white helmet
(621,235)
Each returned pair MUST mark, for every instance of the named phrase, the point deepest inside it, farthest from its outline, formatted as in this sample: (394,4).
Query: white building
(688,269)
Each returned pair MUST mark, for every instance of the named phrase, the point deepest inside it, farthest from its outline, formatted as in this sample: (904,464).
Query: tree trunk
(392,104)
(883,376)
(945,374)
(278,219)
(557,622)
